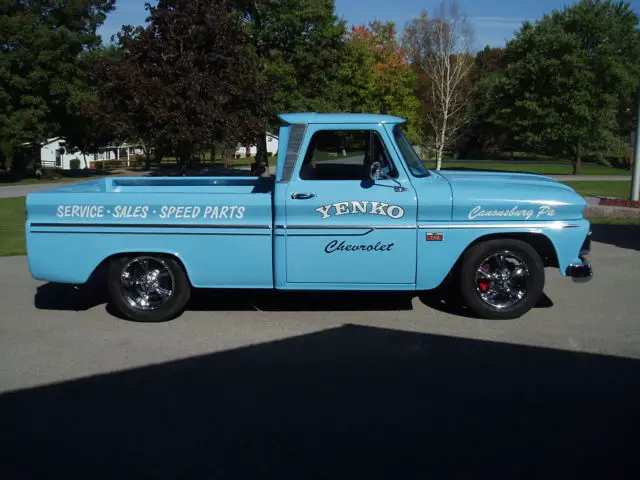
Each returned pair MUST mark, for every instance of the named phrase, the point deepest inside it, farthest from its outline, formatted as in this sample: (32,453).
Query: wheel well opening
(99,274)
(538,241)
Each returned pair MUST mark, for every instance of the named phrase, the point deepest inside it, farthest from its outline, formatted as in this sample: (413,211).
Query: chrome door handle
(302,196)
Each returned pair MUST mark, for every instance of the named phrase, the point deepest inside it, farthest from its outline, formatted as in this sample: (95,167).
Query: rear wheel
(148,288)
(502,278)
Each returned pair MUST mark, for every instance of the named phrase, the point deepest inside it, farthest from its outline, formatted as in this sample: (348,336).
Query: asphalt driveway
(22,190)
(248,385)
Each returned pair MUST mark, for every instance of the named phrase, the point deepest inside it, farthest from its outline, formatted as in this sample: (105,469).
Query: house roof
(313,117)
(44,143)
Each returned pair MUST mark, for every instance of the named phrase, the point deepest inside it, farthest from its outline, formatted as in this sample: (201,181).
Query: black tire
(121,293)
(473,286)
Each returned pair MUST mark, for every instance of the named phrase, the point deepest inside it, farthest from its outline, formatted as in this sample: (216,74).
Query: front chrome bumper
(580,272)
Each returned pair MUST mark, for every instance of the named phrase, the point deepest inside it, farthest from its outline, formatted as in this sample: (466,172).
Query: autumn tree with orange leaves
(377,76)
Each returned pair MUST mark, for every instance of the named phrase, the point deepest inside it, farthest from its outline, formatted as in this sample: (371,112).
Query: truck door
(342,228)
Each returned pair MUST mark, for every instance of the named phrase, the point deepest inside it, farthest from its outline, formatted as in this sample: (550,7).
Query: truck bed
(211,224)
(169,185)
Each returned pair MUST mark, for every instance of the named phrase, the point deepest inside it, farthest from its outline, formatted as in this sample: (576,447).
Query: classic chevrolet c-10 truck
(350,207)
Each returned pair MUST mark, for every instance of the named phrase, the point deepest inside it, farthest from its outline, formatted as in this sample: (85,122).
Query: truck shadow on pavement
(623,236)
(53,296)
(349,402)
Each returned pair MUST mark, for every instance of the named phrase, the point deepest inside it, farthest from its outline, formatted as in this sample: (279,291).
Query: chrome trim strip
(551,225)
(92,232)
(326,234)
(346,227)
(150,225)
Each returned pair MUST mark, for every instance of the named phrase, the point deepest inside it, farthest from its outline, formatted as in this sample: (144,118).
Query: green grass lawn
(602,189)
(12,218)
(502,166)
(540,169)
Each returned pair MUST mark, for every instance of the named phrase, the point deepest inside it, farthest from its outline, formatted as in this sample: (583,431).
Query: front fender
(436,259)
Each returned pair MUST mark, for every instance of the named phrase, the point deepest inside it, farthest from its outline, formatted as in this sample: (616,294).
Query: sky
(494,21)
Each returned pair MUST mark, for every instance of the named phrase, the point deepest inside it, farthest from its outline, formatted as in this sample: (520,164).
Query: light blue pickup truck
(350,207)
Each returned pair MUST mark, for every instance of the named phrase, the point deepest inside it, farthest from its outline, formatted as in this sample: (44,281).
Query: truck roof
(313,117)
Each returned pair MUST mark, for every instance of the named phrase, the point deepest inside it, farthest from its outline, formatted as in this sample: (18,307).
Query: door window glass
(345,155)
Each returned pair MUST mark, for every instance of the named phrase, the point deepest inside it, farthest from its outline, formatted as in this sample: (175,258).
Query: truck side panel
(223,239)
(211,260)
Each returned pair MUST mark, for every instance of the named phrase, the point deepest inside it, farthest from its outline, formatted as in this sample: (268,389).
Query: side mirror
(375,171)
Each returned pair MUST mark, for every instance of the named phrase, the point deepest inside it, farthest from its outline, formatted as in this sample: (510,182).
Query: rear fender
(209,261)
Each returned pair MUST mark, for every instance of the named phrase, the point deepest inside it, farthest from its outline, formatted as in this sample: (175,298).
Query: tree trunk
(213,153)
(147,156)
(576,163)
(260,167)
(184,155)
(440,151)
(224,155)
(441,142)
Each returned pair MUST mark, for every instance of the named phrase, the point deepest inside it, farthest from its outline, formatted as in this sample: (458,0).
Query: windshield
(410,156)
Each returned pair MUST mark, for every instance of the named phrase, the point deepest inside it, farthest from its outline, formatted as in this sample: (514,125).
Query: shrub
(75,164)
(137,161)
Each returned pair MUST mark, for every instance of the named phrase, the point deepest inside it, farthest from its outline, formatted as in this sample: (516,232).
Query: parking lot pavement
(248,385)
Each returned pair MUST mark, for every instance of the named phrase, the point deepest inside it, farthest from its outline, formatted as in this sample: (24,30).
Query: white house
(55,154)
(272,148)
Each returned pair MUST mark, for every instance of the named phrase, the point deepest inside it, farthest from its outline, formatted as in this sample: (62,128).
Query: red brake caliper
(483,284)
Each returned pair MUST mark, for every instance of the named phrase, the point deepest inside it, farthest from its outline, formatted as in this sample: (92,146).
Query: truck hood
(488,196)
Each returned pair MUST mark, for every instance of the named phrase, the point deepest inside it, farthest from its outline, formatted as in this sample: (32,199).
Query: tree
(299,46)
(185,80)
(489,61)
(95,123)
(479,133)
(569,79)
(440,47)
(42,76)
(380,66)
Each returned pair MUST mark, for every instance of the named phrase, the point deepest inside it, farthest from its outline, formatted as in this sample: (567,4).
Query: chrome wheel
(502,280)
(147,283)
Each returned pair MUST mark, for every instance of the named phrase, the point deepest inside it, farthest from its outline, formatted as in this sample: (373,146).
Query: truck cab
(350,206)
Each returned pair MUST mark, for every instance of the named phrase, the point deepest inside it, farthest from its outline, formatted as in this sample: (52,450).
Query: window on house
(345,155)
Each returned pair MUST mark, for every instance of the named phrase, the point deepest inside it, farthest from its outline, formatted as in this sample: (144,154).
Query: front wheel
(148,288)
(502,278)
